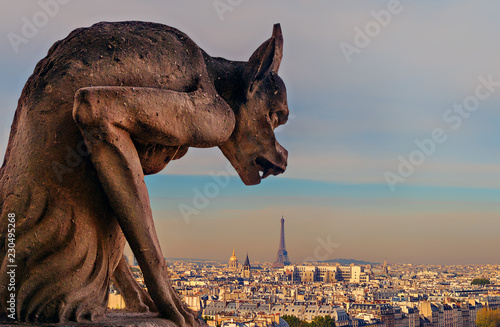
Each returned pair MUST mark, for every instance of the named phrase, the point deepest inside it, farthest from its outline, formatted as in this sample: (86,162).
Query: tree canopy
(488,318)
(480,281)
(325,321)
(295,322)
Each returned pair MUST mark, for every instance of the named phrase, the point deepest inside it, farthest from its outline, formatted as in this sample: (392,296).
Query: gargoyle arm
(109,119)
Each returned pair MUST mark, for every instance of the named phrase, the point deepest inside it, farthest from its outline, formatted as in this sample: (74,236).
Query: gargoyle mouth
(267,168)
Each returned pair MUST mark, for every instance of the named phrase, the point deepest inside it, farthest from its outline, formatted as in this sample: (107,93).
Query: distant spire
(247,262)
(245,272)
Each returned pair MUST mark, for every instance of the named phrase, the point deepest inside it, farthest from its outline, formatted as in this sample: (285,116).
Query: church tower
(245,273)
(385,268)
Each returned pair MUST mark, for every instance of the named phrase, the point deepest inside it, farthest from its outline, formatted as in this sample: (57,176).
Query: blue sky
(354,121)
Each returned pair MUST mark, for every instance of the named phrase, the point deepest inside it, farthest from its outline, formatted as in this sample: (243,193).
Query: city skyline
(392,134)
(398,295)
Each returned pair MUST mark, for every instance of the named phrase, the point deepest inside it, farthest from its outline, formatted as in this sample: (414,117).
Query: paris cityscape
(347,292)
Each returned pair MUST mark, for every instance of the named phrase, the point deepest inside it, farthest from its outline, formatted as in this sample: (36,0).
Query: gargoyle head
(252,148)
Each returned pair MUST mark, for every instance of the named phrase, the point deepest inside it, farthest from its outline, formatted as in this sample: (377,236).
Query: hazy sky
(373,87)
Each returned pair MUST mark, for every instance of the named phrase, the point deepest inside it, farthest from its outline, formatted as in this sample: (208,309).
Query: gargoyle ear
(266,58)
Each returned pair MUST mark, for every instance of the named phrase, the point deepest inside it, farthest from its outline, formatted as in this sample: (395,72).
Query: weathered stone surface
(113,319)
(108,105)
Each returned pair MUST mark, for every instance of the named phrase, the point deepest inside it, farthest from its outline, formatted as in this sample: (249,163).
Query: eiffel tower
(282,257)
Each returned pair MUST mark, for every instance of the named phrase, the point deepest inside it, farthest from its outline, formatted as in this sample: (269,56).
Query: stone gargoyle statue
(108,105)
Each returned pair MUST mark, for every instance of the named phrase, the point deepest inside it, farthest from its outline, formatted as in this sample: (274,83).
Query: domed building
(233,262)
